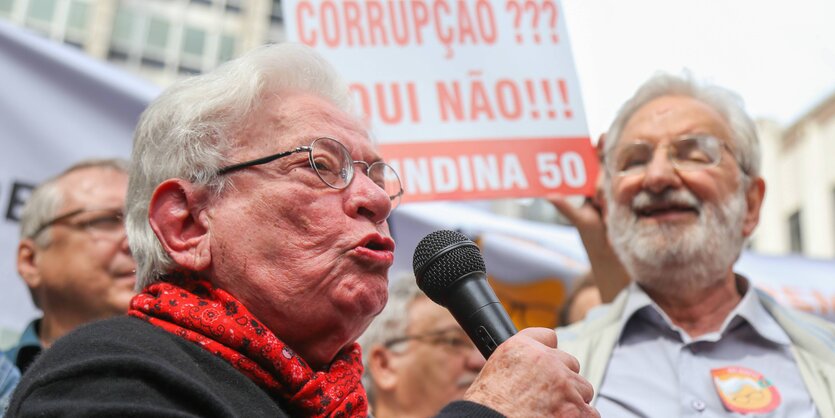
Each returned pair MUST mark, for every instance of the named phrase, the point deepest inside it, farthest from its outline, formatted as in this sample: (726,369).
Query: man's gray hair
(48,197)
(725,102)
(190,129)
(391,323)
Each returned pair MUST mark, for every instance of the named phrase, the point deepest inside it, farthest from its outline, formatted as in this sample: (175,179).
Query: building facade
(159,39)
(799,168)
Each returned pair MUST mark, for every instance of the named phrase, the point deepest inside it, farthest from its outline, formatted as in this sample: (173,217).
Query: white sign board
(469,99)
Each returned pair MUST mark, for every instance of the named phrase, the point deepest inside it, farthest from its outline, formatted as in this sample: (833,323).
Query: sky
(779,56)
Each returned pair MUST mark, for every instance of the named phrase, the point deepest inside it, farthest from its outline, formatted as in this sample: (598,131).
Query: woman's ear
(176,214)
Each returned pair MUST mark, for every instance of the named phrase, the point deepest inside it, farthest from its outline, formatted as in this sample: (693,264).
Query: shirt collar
(29,338)
(748,311)
(751,310)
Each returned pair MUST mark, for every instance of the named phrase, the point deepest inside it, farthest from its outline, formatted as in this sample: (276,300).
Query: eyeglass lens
(384,176)
(689,153)
(455,340)
(334,165)
(105,223)
(332,162)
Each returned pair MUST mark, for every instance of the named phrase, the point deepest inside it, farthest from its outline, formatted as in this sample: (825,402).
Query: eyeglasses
(692,152)
(101,223)
(335,167)
(453,339)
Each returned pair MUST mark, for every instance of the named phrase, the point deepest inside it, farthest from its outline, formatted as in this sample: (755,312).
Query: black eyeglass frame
(425,337)
(309,150)
(61,218)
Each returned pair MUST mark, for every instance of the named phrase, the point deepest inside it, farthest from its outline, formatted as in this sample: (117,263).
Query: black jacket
(127,367)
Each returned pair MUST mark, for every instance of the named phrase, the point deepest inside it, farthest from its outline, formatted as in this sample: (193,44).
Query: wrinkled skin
(527,376)
(294,251)
(80,276)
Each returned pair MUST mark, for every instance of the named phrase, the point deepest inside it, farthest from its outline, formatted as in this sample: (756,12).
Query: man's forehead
(426,314)
(93,186)
(671,116)
(90,178)
(297,119)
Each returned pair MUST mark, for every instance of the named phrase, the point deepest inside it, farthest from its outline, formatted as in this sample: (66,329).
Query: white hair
(45,200)
(391,323)
(725,102)
(188,131)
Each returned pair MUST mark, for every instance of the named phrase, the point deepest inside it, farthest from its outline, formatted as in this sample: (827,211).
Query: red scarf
(197,311)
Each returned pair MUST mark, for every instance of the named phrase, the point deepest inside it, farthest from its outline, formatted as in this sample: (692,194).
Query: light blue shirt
(27,349)
(657,370)
(9,377)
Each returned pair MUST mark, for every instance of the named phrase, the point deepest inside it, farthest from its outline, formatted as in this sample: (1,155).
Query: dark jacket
(127,367)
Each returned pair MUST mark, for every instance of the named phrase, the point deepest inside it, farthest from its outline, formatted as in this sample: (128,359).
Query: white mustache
(679,197)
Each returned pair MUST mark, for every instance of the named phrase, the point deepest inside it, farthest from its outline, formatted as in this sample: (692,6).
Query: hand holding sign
(469,99)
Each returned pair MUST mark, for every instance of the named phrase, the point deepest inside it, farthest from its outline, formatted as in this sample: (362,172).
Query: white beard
(671,258)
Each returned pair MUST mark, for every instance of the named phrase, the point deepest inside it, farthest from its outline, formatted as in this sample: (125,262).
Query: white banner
(469,99)
(57,106)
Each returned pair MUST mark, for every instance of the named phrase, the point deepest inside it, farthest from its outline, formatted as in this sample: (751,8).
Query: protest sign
(468,99)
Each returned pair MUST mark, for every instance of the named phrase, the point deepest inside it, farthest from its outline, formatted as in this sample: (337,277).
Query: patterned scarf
(197,311)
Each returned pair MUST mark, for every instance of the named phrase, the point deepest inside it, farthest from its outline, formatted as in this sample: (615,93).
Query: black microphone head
(443,257)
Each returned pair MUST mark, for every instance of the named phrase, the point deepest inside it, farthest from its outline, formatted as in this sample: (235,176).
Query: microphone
(450,270)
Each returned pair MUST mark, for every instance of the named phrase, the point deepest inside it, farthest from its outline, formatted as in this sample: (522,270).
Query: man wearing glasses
(257,212)
(73,253)
(417,358)
(688,336)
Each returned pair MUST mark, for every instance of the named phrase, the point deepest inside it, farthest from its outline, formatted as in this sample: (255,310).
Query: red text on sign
(473,99)
(489,168)
(374,23)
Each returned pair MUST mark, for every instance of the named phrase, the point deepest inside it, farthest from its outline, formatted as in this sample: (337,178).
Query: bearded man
(688,336)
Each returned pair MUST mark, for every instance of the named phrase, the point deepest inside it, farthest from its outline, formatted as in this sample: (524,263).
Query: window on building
(6,7)
(276,15)
(77,21)
(123,27)
(233,5)
(40,11)
(795,233)
(227,48)
(158,30)
(77,18)
(116,55)
(152,62)
(193,47)
(194,41)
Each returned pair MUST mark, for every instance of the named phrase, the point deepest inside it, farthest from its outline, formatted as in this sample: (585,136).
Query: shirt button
(699,405)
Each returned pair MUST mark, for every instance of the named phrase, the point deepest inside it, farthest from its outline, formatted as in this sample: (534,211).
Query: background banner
(57,106)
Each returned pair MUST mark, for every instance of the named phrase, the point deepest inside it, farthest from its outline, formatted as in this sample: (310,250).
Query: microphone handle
(477,309)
